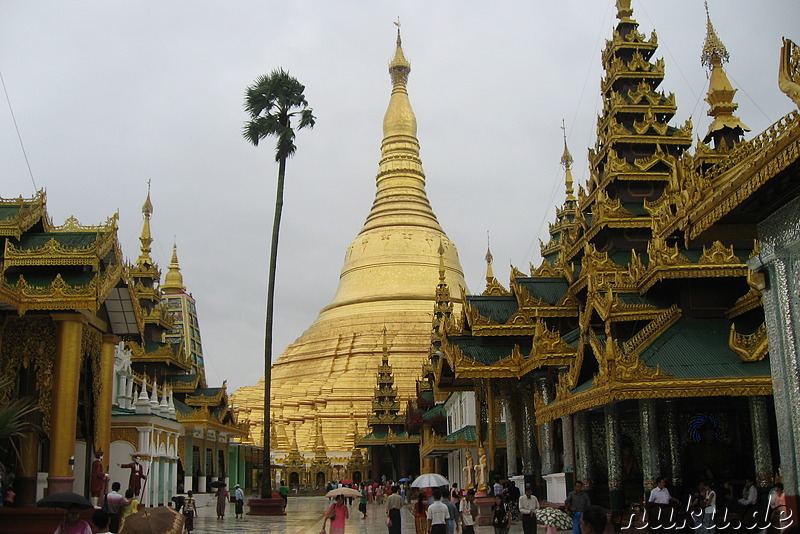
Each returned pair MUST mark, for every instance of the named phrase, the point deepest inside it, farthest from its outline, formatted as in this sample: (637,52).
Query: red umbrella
(347,481)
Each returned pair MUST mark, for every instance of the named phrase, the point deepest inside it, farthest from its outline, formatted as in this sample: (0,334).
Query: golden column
(102,436)
(67,372)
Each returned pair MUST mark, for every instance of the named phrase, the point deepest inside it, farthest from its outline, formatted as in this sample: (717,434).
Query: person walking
(283,491)
(337,514)
(593,520)
(452,521)
(575,503)
(393,505)
(362,503)
(500,519)
(131,508)
(528,504)
(420,510)
(469,512)
(189,512)
(437,514)
(114,504)
(239,497)
(222,502)
(709,505)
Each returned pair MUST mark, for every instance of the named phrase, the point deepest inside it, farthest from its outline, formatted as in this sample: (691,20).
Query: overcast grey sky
(109,94)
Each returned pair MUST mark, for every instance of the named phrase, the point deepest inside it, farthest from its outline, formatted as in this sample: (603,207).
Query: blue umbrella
(404,479)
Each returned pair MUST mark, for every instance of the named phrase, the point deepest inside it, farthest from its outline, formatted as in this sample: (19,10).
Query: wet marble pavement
(304,516)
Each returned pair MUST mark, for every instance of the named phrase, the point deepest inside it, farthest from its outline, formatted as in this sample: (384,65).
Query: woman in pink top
(338,514)
(73,524)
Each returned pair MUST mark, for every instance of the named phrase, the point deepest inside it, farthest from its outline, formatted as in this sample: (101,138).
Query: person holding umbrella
(222,501)
(72,523)
(338,514)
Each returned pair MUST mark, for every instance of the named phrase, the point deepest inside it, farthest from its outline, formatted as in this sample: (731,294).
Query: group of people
(700,510)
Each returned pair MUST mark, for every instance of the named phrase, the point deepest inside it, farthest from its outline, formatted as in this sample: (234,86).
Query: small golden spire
(726,129)
(489,259)
(385,348)
(173,281)
(399,67)
(147,209)
(566,161)
(624,10)
(441,262)
(714,52)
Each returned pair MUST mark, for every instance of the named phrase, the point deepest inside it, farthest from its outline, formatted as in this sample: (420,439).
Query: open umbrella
(554,517)
(404,479)
(64,500)
(347,492)
(430,480)
(217,484)
(159,520)
(347,481)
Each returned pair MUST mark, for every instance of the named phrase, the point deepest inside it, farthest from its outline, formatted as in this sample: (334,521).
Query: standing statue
(469,480)
(99,477)
(482,470)
(137,474)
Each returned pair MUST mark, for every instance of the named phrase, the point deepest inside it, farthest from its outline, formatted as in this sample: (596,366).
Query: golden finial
(385,347)
(147,207)
(441,262)
(714,52)
(566,161)
(173,281)
(489,260)
(399,67)
(624,9)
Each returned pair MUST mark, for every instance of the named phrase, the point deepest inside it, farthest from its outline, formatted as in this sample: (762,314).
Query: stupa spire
(489,259)
(146,239)
(566,161)
(401,197)
(173,281)
(726,129)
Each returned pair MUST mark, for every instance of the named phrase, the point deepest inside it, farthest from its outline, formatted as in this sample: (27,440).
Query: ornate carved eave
(31,211)
(749,301)
(667,262)
(749,347)
(645,389)
(750,165)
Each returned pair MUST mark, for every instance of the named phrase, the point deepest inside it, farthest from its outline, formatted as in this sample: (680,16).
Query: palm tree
(274,102)
(15,419)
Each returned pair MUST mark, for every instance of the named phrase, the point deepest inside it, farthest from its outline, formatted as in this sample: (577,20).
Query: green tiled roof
(8,212)
(72,278)
(183,379)
(65,239)
(490,350)
(436,411)
(152,346)
(496,308)
(583,387)
(181,407)
(426,395)
(206,392)
(549,290)
(573,338)
(698,348)
(469,433)
(637,208)
(635,299)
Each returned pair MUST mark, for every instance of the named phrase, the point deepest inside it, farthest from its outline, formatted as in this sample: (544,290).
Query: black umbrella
(64,499)
(217,484)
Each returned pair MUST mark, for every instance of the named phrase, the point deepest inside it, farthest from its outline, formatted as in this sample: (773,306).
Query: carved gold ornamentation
(789,71)
(749,347)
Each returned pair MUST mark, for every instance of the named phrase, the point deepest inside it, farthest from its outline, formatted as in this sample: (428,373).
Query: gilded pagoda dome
(389,280)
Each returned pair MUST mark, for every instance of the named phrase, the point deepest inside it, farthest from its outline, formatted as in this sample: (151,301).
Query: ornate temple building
(83,334)
(646,343)
(387,283)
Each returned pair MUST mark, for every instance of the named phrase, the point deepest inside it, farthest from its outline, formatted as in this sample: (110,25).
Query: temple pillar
(568,441)
(779,256)
(762,455)
(583,449)
(102,434)
(511,434)
(528,426)
(188,465)
(64,415)
(437,465)
(25,482)
(491,418)
(480,409)
(649,432)
(545,429)
(614,464)
(671,413)
(374,456)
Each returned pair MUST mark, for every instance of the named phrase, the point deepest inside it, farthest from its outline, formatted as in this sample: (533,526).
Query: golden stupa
(325,380)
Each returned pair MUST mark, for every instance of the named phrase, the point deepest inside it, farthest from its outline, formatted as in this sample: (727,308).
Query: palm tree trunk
(266,479)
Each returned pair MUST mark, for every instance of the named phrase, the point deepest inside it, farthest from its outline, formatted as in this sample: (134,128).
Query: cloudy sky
(110,94)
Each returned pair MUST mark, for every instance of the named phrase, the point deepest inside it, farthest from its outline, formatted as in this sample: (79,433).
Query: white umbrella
(430,480)
(347,492)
